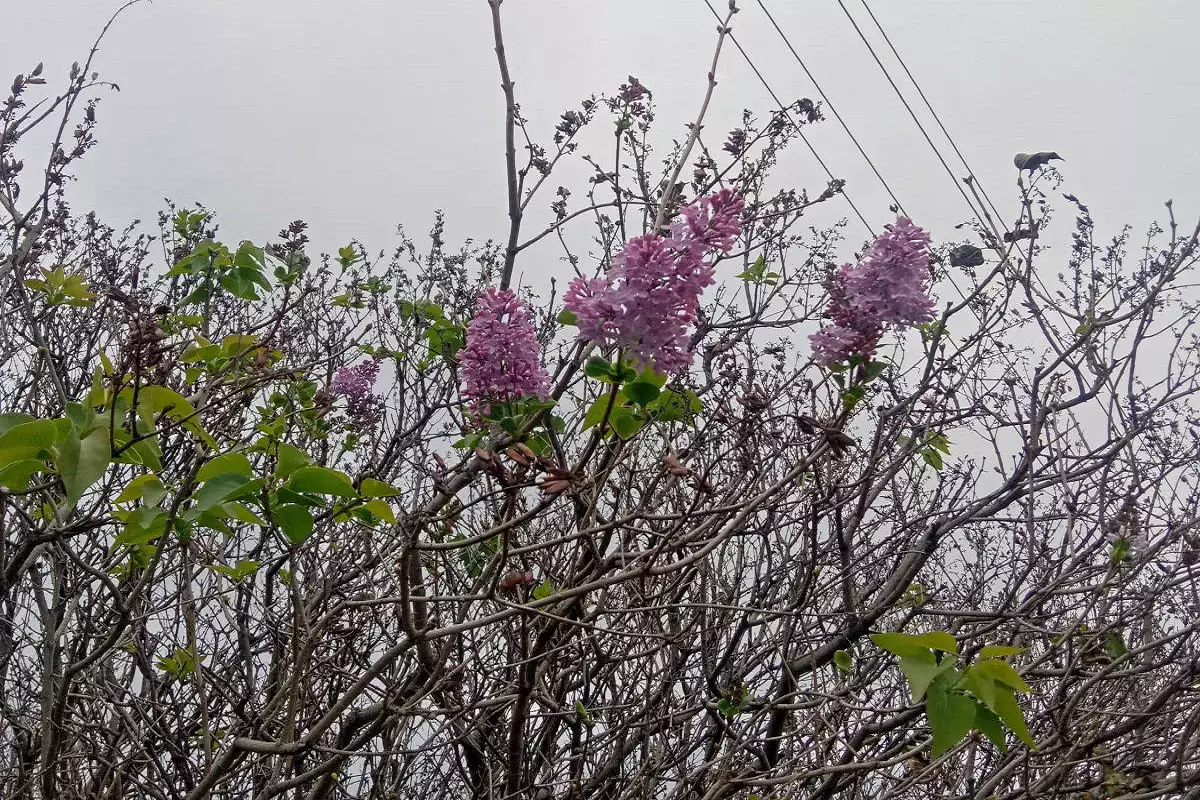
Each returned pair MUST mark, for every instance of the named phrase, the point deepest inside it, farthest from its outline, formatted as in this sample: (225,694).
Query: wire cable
(934,114)
(783,108)
(978,213)
(832,108)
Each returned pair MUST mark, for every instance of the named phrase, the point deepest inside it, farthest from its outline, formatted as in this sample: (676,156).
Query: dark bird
(966,255)
(1033,161)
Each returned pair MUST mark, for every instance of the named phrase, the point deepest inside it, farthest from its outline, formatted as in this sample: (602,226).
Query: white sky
(356,115)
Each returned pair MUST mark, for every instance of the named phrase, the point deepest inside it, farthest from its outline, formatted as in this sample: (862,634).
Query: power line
(831,106)
(934,113)
(980,215)
(795,125)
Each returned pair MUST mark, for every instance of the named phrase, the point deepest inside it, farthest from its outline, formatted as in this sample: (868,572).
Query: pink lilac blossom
(648,300)
(363,406)
(889,287)
(501,360)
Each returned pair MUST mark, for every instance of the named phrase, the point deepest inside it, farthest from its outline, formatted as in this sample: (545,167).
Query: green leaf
(1002,672)
(145,452)
(369,487)
(225,463)
(923,670)
(843,660)
(904,644)
(83,418)
(544,590)
(1008,710)
(989,725)
(853,395)
(873,370)
(595,414)
(675,407)
(147,487)
(82,462)
(159,399)
(39,434)
(982,685)
(240,572)
(1120,551)
(728,708)
(295,521)
(217,489)
(143,525)
(625,422)
(291,458)
(642,392)
(951,716)
(382,510)
(10,421)
(599,369)
(757,273)
(1000,651)
(322,480)
(16,475)
(1114,645)
(214,518)
(241,513)
(285,495)
(938,442)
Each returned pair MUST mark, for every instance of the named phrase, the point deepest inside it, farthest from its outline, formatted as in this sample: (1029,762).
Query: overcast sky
(359,114)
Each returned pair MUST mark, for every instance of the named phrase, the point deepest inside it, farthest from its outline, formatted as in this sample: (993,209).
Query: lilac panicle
(502,357)
(650,297)
(356,384)
(888,287)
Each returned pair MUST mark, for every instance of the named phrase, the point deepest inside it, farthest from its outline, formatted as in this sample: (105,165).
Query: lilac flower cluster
(356,384)
(502,357)
(888,287)
(651,295)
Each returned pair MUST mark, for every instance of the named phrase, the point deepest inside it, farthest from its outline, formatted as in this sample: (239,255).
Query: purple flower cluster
(651,295)
(502,357)
(356,384)
(888,287)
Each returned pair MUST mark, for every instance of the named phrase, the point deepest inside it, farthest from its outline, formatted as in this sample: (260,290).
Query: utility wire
(936,118)
(978,213)
(832,108)
(793,122)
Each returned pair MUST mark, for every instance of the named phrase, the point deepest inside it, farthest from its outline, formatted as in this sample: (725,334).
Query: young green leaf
(227,462)
(1002,672)
(599,369)
(82,462)
(951,716)
(295,521)
(923,670)
(1008,710)
(369,487)
(381,510)
(989,725)
(641,392)
(1000,651)
(322,480)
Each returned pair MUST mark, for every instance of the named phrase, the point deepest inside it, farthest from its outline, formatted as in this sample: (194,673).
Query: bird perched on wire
(1032,161)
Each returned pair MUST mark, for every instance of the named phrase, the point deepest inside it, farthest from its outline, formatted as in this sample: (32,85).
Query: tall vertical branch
(723,30)
(510,149)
